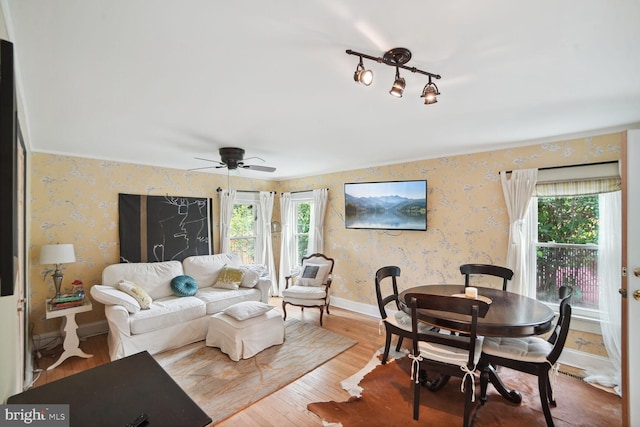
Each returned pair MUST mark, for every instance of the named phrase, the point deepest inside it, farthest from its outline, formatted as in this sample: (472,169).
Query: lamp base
(57,281)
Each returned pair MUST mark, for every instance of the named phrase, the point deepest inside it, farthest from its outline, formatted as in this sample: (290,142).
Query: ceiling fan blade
(209,160)
(206,167)
(259,168)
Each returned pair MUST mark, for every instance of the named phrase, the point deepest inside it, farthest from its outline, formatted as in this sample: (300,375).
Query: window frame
(297,199)
(251,199)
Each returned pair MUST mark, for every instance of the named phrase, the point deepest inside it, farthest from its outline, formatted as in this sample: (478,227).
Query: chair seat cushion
(528,349)
(305,292)
(451,355)
(403,321)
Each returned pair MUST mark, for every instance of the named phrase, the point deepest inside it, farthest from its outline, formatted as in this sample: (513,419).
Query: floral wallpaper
(74,200)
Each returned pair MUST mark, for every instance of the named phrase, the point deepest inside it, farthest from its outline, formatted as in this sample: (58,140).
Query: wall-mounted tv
(389,205)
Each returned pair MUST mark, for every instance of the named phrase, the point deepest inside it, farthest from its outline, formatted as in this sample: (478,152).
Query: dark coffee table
(116,393)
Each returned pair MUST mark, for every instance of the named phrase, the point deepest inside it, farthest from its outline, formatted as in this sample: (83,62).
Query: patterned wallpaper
(74,200)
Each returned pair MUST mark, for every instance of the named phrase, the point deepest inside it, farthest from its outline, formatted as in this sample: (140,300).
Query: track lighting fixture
(361,75)
(396,57)
(398,85)
(430,92)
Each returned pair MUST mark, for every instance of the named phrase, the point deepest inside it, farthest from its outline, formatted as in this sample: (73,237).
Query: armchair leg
(284,310)
(321,313)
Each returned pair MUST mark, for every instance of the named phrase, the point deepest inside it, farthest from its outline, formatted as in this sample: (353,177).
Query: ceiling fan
(233,158)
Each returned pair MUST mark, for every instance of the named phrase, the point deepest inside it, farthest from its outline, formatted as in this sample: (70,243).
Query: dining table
(510,315)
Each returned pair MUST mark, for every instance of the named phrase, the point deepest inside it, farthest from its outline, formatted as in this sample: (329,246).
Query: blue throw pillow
(184,286)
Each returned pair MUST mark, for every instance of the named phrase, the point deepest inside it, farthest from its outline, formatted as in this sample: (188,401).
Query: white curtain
(517,194)
(227,200)
(287,248)
(609,281)
(264,252)
(316,226)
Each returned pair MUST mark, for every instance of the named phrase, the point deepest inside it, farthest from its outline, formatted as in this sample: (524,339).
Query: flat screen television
(388,205)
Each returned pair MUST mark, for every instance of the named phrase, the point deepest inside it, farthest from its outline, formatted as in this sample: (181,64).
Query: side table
(71,343)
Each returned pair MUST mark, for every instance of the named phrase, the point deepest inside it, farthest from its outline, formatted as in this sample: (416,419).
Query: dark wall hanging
(163,228)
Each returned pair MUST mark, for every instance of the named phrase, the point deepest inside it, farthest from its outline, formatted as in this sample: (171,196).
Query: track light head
(398,85)
(430,92)
(362,75)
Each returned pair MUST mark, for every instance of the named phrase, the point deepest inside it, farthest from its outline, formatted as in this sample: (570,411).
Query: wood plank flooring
(287,406)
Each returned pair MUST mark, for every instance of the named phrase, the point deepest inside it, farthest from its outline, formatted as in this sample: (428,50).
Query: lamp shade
(57,254)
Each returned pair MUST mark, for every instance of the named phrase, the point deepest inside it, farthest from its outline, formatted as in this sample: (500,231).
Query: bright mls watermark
(34,415)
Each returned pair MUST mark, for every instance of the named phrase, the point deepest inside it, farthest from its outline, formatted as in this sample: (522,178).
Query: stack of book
(66,301)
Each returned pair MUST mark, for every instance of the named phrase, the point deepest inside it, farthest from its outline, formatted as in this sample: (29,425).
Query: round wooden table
(509,315)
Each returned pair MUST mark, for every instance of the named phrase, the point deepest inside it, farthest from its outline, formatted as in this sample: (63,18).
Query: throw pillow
(108,295)
(184,286)
(247,309)
(136,292)
(313,274)
(229,278)
(252,273)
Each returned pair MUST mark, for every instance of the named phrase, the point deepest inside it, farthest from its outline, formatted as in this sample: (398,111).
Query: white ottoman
(242,339)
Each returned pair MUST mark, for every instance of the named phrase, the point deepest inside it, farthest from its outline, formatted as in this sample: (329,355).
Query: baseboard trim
(570,357)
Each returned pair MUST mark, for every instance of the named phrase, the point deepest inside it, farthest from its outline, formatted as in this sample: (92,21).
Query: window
(243,233)
(302,210)
(566,208)
(567,249)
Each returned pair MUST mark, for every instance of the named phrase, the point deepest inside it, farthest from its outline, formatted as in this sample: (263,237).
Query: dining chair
(487,269)
(531,355)
(449,355)
(399,324)
(309,287)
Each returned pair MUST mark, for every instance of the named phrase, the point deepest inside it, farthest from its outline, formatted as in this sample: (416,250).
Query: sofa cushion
(108,295)
(247,309)
(229,278)
(153,277)
(206,268)
(184,286)
(136,292)
(166,312)
(218,299)
(252,273)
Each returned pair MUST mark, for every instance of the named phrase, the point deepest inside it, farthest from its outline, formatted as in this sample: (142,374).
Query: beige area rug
(223,387)
(382,396)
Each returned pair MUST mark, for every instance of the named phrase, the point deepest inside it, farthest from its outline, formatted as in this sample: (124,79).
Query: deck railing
(565,264)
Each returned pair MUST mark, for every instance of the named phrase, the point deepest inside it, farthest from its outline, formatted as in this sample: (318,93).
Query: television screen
(390,205)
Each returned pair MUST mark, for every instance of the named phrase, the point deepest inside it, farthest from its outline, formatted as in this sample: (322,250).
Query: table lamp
(57,254)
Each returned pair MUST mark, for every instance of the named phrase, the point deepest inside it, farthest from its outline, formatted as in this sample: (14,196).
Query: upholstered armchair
(309,286)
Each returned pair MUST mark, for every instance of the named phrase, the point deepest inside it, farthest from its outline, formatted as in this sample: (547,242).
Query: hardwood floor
(287,406)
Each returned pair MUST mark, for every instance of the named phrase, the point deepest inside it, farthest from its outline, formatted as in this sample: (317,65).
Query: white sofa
(171,321)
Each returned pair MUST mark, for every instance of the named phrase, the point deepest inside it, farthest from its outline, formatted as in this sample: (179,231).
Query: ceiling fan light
(398,87)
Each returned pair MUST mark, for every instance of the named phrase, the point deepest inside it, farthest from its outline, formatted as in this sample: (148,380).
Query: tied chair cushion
(447,354)
(528,349)
(403,321)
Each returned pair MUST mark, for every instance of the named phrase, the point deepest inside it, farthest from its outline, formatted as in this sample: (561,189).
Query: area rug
(222,387)
(386,400)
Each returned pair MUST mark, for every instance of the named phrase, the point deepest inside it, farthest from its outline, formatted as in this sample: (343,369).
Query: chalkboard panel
(163,228)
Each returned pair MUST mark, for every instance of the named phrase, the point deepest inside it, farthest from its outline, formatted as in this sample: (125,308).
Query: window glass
(567,250)
(303,222)
(243,231)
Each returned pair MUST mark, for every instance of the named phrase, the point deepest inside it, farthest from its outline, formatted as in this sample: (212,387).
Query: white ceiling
(160,82)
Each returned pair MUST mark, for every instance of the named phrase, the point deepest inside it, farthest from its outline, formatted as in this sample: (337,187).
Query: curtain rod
(219,189)
(301,191)
(571,166)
